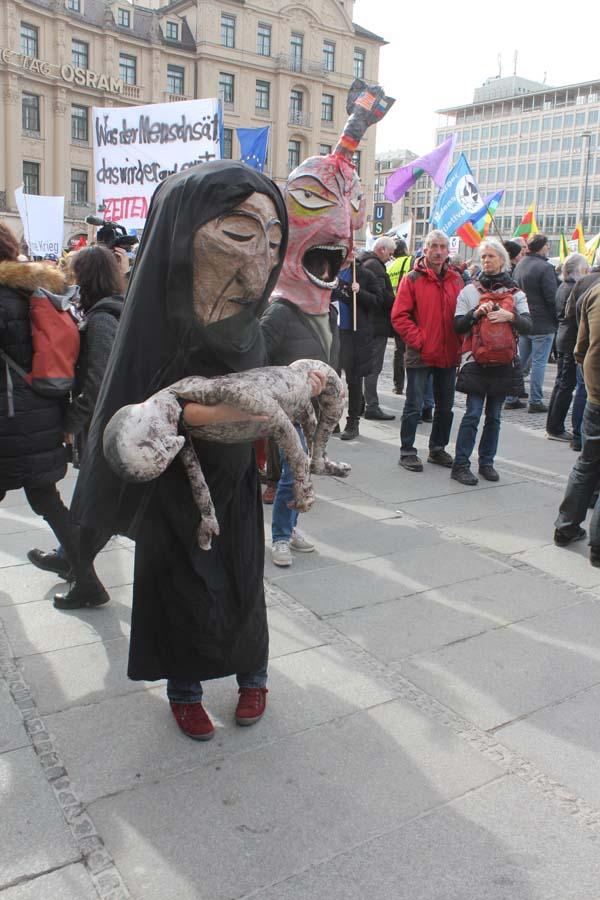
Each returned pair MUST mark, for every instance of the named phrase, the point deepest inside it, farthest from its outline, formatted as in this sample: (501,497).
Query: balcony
(262,112)
(299,119)
(174,98)
(132,91)
(306,66)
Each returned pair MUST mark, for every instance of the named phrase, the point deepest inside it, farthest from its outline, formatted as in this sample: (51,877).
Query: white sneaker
(281,554)
(300,543)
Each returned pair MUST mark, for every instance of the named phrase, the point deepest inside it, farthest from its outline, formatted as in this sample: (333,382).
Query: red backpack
(494,343)
(55,341)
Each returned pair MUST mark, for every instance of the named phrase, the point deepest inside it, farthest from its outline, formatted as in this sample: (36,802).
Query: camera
(112,235)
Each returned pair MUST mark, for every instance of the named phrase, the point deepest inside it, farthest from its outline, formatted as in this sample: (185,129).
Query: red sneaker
(251,705)
(193,720)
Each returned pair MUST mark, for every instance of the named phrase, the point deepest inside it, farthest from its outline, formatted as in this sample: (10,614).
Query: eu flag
(459,200)
(253,146)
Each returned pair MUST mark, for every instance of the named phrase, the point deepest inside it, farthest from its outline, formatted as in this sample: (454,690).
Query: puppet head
(141,439)
(325,207)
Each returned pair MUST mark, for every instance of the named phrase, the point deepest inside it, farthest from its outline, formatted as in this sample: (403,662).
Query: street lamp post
(586,135)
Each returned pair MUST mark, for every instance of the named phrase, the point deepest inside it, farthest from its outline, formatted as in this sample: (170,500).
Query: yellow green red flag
(578,236)
(528,224)
(563,247)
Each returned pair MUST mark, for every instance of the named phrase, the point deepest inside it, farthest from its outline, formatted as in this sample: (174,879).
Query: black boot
(51,562)
(350,432)
(88,590)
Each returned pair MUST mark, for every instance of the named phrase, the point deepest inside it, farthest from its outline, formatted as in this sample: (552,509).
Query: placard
(137,147)
(43,222)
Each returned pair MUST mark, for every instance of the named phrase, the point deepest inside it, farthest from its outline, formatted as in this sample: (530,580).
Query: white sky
(438,54)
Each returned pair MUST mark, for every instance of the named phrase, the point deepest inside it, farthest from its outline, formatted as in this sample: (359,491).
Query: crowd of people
(234,295)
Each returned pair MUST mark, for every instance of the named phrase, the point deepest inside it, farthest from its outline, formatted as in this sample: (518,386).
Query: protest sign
(137,147)
(43,222)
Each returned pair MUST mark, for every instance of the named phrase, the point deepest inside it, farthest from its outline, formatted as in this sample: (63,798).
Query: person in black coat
(537,279)
(32,451)
(575,267)
(375,261)
(356,344)
(97,272)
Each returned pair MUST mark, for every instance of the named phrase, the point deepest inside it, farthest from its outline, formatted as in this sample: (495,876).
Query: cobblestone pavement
(432,729)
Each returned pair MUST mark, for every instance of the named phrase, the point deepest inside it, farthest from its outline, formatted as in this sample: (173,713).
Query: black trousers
(399,371)
(46,502)
(584,479)
(562,393)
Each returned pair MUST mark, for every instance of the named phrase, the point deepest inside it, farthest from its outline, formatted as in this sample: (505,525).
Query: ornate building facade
(286,64)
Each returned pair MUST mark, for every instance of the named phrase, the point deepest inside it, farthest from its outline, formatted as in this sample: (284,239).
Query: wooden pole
(353,295)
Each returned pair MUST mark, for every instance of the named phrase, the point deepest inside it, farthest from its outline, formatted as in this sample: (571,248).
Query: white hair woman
(574,268)
(483,310)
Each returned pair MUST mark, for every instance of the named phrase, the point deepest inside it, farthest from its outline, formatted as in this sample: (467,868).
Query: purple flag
(434,163)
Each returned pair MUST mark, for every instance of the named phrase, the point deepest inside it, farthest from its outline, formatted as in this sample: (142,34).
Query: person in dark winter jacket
(375,262)
(97,272)
(32,451)
(485,385)
(356,343)
(423,316)
(574,268)
(536,277)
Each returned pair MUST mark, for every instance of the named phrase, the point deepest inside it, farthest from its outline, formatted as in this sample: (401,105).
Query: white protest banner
(137,147)
(43,222)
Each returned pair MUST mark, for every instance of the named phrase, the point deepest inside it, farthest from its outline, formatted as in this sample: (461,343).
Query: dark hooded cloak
(196,614)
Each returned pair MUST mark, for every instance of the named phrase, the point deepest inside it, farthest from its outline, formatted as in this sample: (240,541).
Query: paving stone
(38,627)
(12,732)
(69,883)
(510,533)
(476,503)
(322,791)
(499,842)
(570,563)
(408,625)
(377,579)
(494,678)
(24,583)
(18,518)
(14,547)
(305,689)
(563,741)
(35,837)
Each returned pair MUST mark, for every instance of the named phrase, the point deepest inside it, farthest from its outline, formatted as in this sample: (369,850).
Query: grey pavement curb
(100,866)
(512,763)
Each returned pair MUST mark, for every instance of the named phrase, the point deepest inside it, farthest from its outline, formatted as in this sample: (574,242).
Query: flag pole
(353,294)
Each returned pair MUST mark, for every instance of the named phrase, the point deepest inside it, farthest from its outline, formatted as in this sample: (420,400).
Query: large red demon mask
(326,206)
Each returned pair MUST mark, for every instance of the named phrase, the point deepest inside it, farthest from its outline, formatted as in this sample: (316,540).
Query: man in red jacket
(423,316)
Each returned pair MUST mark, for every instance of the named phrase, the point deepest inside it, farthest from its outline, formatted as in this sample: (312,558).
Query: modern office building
(287,64)
(541,143)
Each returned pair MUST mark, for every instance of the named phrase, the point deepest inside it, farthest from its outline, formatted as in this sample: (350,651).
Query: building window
(29,39)
(324,149)
(172,31)
(296,52)
(293,154)
(227,143)
(79,186)
(79,123)
(80,54)
(356,160)
(263,40)
(359,62)
(296,104)
(30,112)
(74,5)
(327,108)
(124,18)
(128,68)
(263,95)
(175,80)
(31,177)
(226,87)
(227,31)
(329,56)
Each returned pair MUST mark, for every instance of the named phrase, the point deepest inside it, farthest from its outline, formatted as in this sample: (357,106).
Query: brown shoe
(193,720)
(251,705)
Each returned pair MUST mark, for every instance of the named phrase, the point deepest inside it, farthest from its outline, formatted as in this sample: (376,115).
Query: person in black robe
(209,258)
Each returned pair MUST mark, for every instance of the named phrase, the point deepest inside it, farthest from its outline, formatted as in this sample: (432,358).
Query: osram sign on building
(66,72)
